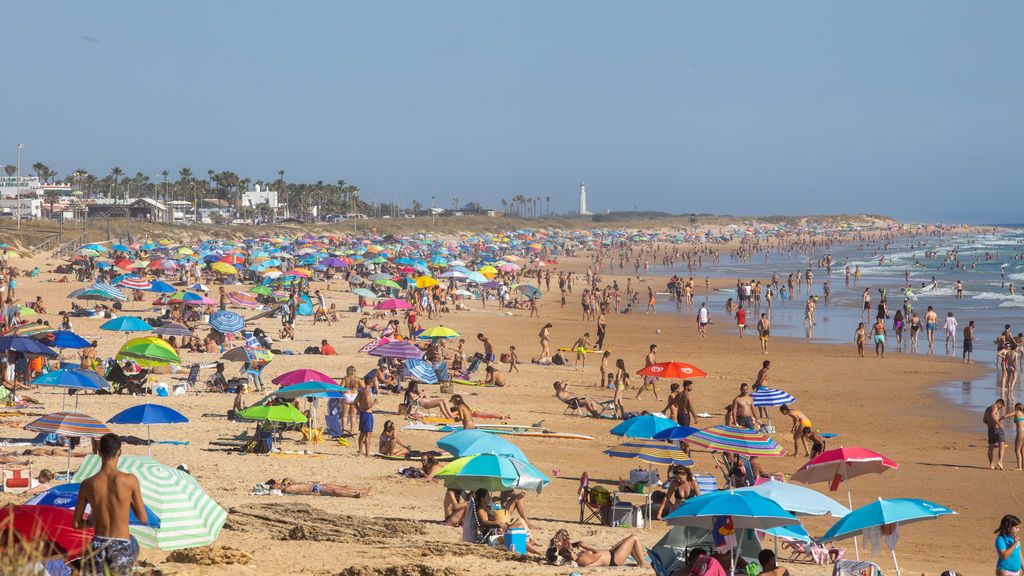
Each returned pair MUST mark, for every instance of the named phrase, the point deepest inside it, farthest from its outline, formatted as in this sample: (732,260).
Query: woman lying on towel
(563,548)
(289,486)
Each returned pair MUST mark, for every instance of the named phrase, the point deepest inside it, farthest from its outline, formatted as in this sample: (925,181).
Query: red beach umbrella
(675,370)
(49,525)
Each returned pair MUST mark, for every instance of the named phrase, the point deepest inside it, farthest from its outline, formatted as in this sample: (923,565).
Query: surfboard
(439,458)
(472,383)
(502,429)
(588,351)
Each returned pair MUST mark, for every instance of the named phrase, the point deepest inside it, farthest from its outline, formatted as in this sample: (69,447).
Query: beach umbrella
(69,424)
(199,287)
(227,322)
(392,304)
(743,510)
(25,345)
(66,496)
(742,441)
(674,370)
(364,293)
(425,282)
(172,329)
(302,375)
(312,388)
(126,324)
(438,332)
(148,414)
(469,442)
(397,349)
(72,378)
(841,464)
(148,350)
(676,433)
(114,292)
(493,472)
(643,426)
(767,397)
(67,339)
(135,283)
(161,287)
(48,527)
(420,370)
(243,299)
(654,453)
(798,499)
(889,513)
(223,268)
(188,516)
(528,290)
(273,413)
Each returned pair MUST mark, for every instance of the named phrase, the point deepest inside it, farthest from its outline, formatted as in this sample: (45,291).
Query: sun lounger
(856,568)
(812,551)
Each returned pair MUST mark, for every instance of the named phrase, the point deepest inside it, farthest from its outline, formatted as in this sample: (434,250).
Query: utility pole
(17,184)
(433,215)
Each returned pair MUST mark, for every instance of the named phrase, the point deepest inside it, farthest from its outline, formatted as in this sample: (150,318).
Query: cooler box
(644,476)
(515,540)
(620,514)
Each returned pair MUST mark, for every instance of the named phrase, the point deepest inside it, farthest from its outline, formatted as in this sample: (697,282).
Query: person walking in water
(931,322)
(949,327)
(111,494)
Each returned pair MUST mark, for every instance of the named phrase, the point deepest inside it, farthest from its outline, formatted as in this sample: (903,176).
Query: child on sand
(859,336)
(513,359)
(580,347)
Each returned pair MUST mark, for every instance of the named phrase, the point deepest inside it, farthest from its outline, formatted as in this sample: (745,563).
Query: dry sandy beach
(885,405)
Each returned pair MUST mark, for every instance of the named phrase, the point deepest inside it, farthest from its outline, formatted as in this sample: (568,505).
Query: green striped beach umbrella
(188,516)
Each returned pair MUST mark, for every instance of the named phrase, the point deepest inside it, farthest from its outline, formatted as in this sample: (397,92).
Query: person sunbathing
(289,486)
(414,398)
(430,466)
(588,404)
(562,547)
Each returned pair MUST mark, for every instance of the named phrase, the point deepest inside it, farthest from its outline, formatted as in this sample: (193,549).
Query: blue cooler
(515,540)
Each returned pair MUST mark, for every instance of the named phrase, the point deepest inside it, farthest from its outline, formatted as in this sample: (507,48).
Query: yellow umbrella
(186,250)
(224,268)
(488,270)
(425,282)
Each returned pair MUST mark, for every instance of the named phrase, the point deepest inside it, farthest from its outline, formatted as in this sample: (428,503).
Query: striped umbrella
(651,452)
(372,344)
(243,299)
(69,424)
(766,397)
(172,329)
(188,516)
(148,351)
(742,441)
(135,283)
(227,322)
(397,349)
(420,370)
(114,292)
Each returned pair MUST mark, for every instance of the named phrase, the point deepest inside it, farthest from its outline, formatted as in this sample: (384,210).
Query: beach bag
(558,360)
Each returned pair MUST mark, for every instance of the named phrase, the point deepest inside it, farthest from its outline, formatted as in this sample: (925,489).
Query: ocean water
(987,299)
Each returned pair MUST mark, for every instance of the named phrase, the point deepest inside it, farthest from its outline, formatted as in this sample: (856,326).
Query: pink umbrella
(303,375)
(841,464)
(392,304)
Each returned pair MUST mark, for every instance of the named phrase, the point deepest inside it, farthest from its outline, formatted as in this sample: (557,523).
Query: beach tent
(671,550)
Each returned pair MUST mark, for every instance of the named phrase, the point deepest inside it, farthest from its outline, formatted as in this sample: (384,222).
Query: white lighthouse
(583,200)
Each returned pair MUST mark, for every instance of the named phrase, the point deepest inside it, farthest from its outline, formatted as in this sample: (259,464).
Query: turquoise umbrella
(494,472)
(644,426)
(126,324)
(469,442)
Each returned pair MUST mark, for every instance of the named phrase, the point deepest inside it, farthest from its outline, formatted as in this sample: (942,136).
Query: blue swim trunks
(111,556)
(366,421)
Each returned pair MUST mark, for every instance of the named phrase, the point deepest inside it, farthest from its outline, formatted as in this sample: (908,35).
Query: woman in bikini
(682,487)
(289,486)
(414,398)
(463,411)
(897,327)
(348,399)
(1018,441)
(562,547)
(389,444)
(621,383)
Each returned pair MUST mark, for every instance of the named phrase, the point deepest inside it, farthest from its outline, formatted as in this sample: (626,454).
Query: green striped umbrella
(188,516)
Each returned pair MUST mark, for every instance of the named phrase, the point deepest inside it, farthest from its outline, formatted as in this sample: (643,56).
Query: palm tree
(51,197)
(10,169)
(548,211)
(116,173)
(40,170)
(184,180)
(164,174)
(504,206)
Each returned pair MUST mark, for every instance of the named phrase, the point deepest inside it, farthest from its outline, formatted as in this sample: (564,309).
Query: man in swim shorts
(743,409)
(364,406)
(878,334)
(996,437)
(931,321)
(685,414)
(111,494)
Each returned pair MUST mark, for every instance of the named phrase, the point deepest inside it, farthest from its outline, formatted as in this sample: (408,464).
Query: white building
(583,200)
(259,197)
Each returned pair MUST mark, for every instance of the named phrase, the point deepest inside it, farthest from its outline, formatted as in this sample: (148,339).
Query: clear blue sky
(910,108)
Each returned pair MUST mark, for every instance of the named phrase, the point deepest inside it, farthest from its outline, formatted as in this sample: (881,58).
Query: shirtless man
(588,404)
(931,322)
(111,494)
(764,328)
(996,437)
(878,335)
(364,406)
(87,357)
(495,377)
(488,347)
(289,486)
(685,414)
(650,381)
(762,381)
(799,423)
(743,409)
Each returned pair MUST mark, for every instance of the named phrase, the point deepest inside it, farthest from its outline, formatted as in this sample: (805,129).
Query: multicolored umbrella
(842,464)
(188,516)
(651,452)
(438,332)
(135,283)
(672,370)
(397,349)
(243,299)
(172,329)
(742,441)
(69,424)
(310,389)
(494,472)
(420,370)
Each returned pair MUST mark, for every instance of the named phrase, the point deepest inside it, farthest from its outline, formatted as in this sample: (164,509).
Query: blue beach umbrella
(25,346)
(885,512)
(798,499)
(148,415)
(493,472)
(311,388)
(767,397)
(645,426)
(226,321)
(68,339)
(72,378)
(126,324)
(66,496)
(748,509)
(420,370)
(469,442)
(161,287)
(675,433)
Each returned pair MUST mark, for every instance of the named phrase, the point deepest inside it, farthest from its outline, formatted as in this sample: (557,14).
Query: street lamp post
(17,184)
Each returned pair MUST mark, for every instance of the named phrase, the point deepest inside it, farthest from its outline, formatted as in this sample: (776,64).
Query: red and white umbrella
(839,465)
(136,283)
(673,370)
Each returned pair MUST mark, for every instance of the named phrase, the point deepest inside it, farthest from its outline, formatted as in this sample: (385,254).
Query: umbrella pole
(849,500)
(149,443)
(894,563)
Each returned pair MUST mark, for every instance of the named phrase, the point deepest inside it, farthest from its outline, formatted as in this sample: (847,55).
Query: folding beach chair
(594,502)
(706,483)
(471,528)
(17,480)
(813,551)
(856,568)
(192,378)
(574,408)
